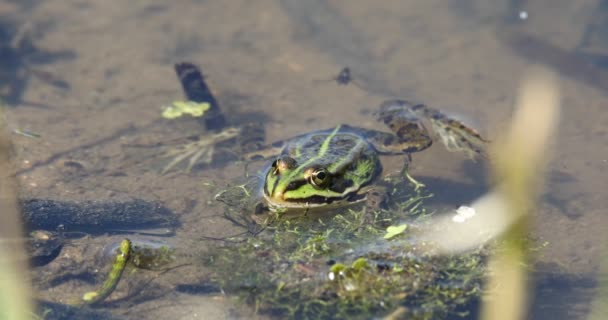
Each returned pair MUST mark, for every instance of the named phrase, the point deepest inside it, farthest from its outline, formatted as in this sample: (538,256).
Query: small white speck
(463,213)
(523,15)
(349,286)
(331,276)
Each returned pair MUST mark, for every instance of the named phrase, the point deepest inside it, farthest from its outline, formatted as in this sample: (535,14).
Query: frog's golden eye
(283,164)
(319,178)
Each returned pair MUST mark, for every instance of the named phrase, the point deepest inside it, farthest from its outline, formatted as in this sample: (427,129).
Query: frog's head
(290,185)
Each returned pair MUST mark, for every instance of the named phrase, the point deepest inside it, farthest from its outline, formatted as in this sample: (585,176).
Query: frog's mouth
(277,203)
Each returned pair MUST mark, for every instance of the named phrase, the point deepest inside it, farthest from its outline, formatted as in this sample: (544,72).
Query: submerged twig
(123,256)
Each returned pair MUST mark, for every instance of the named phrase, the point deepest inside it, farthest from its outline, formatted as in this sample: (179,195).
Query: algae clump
(335,266)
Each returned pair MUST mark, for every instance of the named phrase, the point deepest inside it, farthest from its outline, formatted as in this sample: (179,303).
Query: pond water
(90,77)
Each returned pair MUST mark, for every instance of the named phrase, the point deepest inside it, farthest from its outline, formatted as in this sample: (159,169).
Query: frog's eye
(319,178)
(283,164)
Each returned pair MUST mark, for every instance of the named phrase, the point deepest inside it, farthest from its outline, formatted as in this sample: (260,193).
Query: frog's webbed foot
(417,184)
(405,172)
(199,151)
(456,136)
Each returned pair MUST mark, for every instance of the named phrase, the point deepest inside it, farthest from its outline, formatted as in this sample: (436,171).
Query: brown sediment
(567,63)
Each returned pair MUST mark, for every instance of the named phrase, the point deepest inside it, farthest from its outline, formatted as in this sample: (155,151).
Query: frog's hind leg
(455,135)
(409,133)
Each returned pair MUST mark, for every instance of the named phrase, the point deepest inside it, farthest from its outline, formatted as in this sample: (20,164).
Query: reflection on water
(86,62)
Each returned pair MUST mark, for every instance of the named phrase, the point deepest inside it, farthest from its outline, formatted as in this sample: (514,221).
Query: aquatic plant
(339,267)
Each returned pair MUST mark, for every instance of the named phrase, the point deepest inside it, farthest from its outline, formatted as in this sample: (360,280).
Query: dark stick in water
(195,88)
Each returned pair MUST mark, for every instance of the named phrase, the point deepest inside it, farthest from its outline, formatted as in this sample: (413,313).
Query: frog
(341,165)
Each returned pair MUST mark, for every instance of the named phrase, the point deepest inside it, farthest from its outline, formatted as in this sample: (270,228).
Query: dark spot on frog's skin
(296,184)
(418,107)
(437,116)
(403,132)
(388,119)
(341,185)
(341,143)
(311,143)
(389,140)
(411,149)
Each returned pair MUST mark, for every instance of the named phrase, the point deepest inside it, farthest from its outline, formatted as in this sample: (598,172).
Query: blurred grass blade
(518,162)
(599,306)
(14,289)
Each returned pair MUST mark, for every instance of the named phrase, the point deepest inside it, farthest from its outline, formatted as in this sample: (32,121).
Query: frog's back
(327,147)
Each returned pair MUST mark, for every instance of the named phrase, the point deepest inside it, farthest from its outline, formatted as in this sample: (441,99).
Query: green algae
(179,108)
(334,266)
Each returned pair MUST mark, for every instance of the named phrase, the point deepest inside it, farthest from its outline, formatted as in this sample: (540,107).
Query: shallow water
(90,76)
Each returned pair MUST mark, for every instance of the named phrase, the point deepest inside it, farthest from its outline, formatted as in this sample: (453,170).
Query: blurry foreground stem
(518,163)
(14,287)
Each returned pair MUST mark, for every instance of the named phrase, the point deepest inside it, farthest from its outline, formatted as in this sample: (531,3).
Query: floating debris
(180,108)
(393,231)
(463,213)
(343,78)
(27,133)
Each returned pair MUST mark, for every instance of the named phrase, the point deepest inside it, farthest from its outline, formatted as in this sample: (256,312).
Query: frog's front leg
(376,198)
